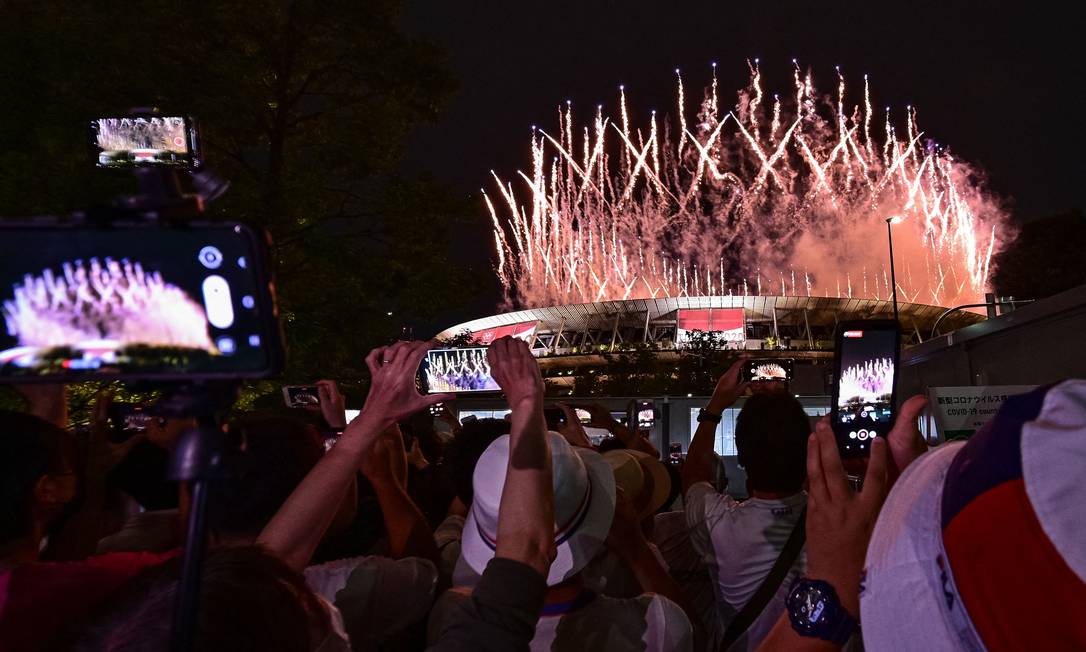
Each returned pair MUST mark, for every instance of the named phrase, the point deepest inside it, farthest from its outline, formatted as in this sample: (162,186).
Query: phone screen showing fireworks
(768,370)
(865,382)
(457,370)
(135,302)
(144,141)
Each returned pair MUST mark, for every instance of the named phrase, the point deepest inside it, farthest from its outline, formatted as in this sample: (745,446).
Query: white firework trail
(711,204)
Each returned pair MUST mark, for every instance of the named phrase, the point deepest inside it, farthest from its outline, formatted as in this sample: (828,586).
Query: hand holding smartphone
(865,384)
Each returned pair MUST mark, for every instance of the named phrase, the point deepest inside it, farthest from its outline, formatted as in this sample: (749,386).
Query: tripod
(195,461)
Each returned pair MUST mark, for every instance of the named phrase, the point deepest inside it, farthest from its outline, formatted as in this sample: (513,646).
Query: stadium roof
(819,311)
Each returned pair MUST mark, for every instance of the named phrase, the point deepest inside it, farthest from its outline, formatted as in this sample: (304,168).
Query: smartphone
(675,453)
(555,417)
(145,141)
(456,371)
(642,413)
(584,416)
(136,302)
(764,370)
(127,420)
(865,384)
(300,396)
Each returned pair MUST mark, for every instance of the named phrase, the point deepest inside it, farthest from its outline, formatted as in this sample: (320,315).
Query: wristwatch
(815,611)
(707,416)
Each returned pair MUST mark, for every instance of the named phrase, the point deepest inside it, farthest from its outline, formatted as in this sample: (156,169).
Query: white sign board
(960,411)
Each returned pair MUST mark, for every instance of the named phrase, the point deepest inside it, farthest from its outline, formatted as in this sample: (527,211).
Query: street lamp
(890,221)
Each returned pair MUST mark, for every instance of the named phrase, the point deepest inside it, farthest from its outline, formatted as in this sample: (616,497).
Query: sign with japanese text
(960,411)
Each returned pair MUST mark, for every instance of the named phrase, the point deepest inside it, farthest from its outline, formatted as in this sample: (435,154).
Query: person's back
(740,542)
(646,622)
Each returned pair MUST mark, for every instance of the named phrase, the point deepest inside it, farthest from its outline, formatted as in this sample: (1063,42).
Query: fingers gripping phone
(865,384)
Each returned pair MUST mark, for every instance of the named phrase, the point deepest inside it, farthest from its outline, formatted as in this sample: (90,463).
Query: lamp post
(890,221)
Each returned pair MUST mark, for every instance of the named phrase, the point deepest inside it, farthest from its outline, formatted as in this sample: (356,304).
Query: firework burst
(781,195)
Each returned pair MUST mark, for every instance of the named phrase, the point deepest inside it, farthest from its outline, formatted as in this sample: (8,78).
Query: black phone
(675,453)
(457,371)
(300,396)
(128,420)
(148,140)
(764,370)
(865,384)
(555,417)
(135,302)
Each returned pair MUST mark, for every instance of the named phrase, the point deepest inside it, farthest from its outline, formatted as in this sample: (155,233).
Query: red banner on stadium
(523,331)
(728,322)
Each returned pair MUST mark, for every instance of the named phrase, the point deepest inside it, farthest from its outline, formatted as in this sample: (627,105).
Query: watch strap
(711,417)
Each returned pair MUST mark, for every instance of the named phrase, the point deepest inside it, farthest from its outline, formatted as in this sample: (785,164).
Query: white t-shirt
(739,543)
(376,596)
(648,622)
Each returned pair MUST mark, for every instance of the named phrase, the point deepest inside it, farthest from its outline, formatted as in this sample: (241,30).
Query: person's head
(267,458)
(474,438)
(249,600)
(771,437)
(584,506)
(37,476)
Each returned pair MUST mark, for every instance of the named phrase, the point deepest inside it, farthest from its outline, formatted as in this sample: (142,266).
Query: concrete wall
(1040,343)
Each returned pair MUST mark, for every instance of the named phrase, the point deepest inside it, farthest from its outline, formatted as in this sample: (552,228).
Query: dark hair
(267,459)
(610,444)
(771,437)
(473,440)
(249,600)
(29,449)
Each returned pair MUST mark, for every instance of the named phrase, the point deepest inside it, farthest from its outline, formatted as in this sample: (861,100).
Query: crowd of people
(413,532)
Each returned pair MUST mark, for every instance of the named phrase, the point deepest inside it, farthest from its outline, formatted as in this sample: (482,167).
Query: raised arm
(526,515)
(409,534)
(700,465)
(299,525)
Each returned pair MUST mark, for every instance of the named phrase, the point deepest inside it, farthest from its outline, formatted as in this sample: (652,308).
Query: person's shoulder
(702,497)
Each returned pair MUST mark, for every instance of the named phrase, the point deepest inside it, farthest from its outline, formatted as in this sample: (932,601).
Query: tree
(305,106)
(1045,259)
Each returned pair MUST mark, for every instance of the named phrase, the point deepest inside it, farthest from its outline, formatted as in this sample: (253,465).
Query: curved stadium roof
(817,311)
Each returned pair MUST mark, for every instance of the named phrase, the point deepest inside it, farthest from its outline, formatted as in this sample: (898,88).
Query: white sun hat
(584,505)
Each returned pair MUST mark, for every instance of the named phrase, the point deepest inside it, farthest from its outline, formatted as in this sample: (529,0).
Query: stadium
(576,344)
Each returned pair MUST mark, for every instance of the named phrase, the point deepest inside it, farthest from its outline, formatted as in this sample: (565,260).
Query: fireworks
(867,382)
(104,300)
(778,196)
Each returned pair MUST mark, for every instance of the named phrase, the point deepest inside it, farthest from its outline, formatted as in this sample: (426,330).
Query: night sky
(1000,83)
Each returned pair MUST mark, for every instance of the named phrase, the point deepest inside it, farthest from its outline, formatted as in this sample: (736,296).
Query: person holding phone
(741,542)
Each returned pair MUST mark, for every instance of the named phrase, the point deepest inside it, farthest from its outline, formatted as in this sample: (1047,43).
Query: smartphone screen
(865,380)
(135,301)
(768,370)
(456,370)
(300,396)
(148,140)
